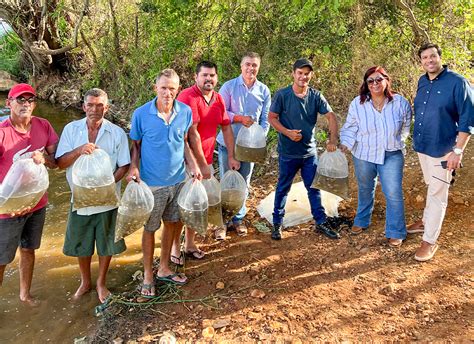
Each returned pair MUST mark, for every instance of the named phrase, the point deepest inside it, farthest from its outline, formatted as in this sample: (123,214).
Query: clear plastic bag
(93,181)
(193,206)
(135,208)
(23,187)
(233,189)
(250,144)
(332,174)
(213,190)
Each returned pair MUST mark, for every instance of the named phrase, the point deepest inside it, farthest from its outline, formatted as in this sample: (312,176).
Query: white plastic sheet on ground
(297,209)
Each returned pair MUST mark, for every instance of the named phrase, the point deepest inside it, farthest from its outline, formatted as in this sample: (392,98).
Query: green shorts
(84,230)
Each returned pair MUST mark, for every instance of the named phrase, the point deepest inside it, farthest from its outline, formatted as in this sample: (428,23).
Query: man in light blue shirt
(247,101)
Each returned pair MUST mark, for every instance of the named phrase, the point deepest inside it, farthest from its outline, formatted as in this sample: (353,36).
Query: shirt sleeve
(65,143)
(350,128)
(52,136)
(323,105)
(407,116)
(263,120)
(123,154)
(135,129)
(465,106)
(277,103)
(225,93)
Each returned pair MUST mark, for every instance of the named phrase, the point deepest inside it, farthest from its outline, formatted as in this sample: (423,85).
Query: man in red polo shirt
(23,135)
(209,113)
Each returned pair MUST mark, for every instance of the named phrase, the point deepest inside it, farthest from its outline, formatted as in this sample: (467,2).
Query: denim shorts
(22,231)
(165,207)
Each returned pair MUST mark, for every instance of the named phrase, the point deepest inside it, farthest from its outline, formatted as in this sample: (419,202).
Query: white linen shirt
(111,138)
(368,134)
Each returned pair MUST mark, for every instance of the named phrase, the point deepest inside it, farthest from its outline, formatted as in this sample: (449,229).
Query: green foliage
(10,54)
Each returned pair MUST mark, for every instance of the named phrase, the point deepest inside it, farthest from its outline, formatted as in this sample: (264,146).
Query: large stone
(6,81)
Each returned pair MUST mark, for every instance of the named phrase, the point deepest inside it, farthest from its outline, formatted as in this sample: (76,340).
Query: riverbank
(308,288)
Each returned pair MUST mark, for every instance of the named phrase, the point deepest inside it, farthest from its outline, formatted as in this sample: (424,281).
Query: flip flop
(150,288)
(169,279)
(196,254)
(179,261)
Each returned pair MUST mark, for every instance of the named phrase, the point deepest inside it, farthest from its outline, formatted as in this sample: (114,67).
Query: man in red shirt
(209,113)
(24,136)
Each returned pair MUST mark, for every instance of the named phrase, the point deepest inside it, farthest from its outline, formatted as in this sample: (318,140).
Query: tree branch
(420,34)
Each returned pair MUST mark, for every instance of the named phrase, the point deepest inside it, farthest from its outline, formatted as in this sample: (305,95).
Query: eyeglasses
(23,100)
(377,80)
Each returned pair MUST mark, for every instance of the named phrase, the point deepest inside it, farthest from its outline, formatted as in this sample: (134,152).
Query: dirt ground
(307,288)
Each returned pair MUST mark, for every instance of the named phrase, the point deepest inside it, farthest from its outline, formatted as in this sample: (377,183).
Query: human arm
(70,157)
(191,161)
(263,120)
(292,134)
(133,171)
(349,129)
(454,160)
(331,145)
(197,153)
(229,143)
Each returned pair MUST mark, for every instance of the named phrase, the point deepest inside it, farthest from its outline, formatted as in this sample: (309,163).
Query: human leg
(391,174)
(308,171)
(85,271)
(29,242)
(102,291)
(366,174)
(164,270)
(287,169)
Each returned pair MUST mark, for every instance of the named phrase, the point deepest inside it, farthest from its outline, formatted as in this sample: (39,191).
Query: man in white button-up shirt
(91,226)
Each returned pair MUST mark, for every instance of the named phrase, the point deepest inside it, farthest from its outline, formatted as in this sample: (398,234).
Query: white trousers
(438,181)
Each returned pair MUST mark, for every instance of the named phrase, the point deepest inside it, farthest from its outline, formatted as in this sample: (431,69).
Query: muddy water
(58,319)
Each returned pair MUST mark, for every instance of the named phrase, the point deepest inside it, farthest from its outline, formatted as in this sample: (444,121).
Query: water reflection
(58,319)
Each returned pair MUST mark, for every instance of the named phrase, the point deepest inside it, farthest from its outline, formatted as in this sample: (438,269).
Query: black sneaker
(276,232)
(327,230)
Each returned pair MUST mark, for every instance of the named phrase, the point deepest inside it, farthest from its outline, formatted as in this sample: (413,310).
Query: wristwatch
(457,151)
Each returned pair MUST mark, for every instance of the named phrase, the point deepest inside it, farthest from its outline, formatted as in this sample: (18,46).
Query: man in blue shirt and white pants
(247,100)
(444,116)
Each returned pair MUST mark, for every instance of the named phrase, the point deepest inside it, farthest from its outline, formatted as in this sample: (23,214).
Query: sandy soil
(307,288)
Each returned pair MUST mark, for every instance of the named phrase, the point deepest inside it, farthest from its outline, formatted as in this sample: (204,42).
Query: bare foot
(83,289)
(30,300)
(103,293)
(171,276)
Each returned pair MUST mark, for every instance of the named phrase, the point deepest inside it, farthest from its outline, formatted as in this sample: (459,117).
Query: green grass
(10,54)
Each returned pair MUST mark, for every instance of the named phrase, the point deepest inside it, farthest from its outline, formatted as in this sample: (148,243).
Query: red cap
(20,89)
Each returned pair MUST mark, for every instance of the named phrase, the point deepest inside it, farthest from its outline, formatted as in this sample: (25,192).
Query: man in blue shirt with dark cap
(293,113)
(444,117)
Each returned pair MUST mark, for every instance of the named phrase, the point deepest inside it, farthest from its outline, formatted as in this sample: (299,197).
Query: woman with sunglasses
(376,127)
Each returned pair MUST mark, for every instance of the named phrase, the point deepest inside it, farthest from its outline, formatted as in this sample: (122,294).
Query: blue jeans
(245,171)
(287,169)
(391,174)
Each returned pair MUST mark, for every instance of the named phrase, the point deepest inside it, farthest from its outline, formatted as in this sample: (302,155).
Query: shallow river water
(57,318)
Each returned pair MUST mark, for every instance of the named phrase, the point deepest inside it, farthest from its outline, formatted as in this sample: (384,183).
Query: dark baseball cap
(300,63)
(20,89)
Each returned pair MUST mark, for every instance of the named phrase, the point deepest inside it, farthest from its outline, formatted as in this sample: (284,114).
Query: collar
(240,80)
(153,110)
(198,92)
(106,124)
(440,75)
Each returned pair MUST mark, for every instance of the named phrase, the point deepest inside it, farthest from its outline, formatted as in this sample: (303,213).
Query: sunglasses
(377,80)
(23,100)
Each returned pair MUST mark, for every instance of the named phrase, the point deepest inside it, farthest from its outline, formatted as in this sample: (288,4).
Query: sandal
(196,254)
(169,279)
(147,289)
(179,261)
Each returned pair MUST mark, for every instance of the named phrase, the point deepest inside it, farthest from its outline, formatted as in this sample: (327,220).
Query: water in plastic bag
(23,187)
(233,189)
(250,144)
(213,190)
(135,208)
(193,206)
(93,181)
(332,174)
